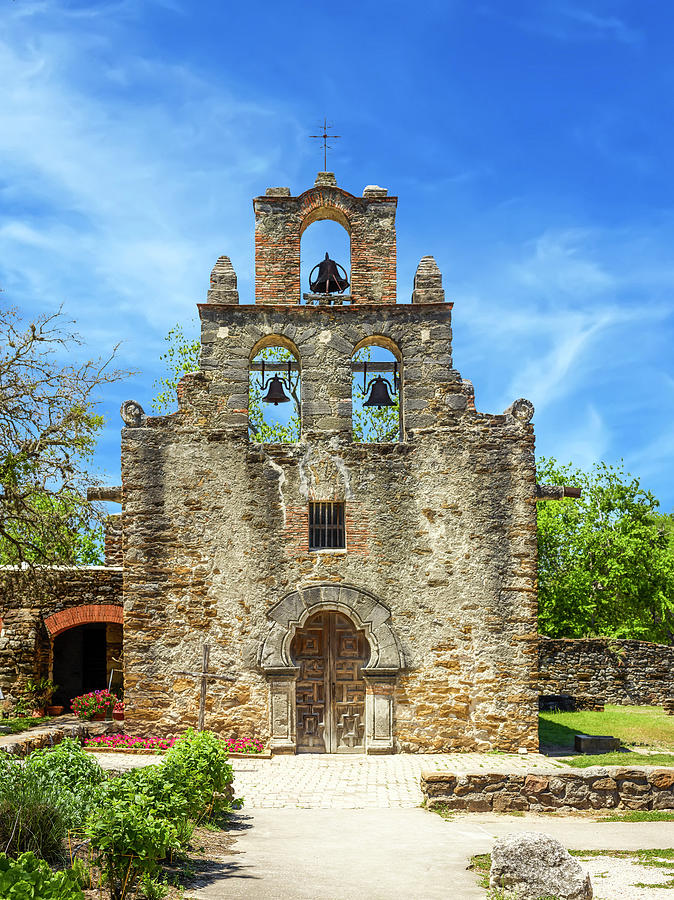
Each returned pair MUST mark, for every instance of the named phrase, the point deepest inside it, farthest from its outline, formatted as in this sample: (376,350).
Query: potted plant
(37,692)
(118,711)
(94,705)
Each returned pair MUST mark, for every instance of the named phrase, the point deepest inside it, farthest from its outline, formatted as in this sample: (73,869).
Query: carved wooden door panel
(310,654)
(330,653)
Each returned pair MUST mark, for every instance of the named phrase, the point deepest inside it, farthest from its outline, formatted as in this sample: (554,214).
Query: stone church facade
(420,632)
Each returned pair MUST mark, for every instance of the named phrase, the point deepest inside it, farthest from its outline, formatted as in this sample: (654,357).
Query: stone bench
(595,743)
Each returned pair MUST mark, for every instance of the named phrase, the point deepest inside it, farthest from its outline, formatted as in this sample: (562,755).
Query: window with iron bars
(326,525)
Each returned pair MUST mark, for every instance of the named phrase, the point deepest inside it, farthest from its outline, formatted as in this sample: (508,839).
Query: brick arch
(334,204)
(59,622)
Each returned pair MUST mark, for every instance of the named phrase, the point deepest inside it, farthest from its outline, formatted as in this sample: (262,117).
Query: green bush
(198,767)
(69,763)
(129,840)
(28,878)
(149,788)
(34,814)
(76,774)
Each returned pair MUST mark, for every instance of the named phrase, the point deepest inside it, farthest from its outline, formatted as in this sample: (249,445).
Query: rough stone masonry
(439,569)
(437,578)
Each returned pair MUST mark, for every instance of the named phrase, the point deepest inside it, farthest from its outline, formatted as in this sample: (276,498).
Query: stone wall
(598,787)
(441,534)
(71,596)
(622,672)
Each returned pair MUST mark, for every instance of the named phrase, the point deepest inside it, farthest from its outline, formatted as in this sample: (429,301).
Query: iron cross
(325,137)
(204,675)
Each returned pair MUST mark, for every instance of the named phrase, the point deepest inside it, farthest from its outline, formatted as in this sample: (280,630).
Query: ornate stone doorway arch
(368,615)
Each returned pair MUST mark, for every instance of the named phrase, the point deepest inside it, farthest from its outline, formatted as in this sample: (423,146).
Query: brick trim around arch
(83,615)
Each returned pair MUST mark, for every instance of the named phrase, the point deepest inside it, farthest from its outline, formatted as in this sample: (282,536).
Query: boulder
(532,865)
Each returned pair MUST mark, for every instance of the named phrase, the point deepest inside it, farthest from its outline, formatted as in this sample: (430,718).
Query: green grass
(641,815)
(21,723)
(643,726)
(620,758)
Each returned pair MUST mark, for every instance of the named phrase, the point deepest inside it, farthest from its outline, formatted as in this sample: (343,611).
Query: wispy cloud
(567,21)
(117,170)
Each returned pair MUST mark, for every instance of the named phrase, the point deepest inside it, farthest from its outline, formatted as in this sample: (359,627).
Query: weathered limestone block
(428,282)
(535,865)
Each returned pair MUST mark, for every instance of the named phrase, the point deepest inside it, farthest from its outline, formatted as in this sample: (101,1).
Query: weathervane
(325,137)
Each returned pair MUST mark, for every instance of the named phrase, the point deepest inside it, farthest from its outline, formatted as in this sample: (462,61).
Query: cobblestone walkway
(318,781)
(321,781)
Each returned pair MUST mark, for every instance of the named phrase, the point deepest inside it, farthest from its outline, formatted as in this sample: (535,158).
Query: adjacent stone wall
(622,672)
(441,531)
(71,595)
(599,787)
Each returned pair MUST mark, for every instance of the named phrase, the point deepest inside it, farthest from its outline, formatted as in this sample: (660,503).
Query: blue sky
(529,143)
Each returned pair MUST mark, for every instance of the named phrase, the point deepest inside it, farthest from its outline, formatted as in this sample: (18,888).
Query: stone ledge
(48,736)
(597,787)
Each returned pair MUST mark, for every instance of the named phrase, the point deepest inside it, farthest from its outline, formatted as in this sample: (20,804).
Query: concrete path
(386,854)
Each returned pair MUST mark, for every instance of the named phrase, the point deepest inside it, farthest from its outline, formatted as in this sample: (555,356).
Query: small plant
(152,888)
(86,706)
(198,766)
(34,813)
(130,840)
(28,878)
(35,695)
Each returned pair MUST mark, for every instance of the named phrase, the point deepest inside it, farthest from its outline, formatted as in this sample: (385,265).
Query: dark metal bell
(379,395)
(328,280)
(276,394)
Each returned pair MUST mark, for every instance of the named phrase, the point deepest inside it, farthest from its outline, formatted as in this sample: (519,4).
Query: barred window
(326,525)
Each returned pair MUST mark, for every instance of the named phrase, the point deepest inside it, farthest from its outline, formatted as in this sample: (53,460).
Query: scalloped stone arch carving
(363,608)
(368,613)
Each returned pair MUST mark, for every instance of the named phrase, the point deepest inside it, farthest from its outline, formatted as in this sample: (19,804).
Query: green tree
(48,431)
(605,561)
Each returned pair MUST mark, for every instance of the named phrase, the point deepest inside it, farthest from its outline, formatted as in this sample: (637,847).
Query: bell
(328,280)
(379,395)
(276,394)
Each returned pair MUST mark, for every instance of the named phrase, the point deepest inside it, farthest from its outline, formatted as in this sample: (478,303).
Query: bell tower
(280,222)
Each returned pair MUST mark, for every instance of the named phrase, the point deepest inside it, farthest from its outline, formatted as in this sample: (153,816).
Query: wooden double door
(330,690)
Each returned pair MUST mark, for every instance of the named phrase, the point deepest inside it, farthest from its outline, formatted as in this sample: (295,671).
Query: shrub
(34,814)
(198,767)
(149,788)
(69,764)
(74,772)
(130,841)
(28,878)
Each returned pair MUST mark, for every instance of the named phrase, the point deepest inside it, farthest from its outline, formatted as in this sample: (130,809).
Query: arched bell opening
(376,391)
(325,280)
(330,653)
(274,391)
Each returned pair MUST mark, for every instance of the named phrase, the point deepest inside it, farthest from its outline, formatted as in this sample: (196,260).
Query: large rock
(534,865)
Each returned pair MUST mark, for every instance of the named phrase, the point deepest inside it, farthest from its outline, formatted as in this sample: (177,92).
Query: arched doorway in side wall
(86,649)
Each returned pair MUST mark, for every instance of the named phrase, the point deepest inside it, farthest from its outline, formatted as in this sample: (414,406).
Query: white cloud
(117,170)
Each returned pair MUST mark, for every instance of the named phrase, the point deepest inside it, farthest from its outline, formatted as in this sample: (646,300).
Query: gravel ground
(615,879)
